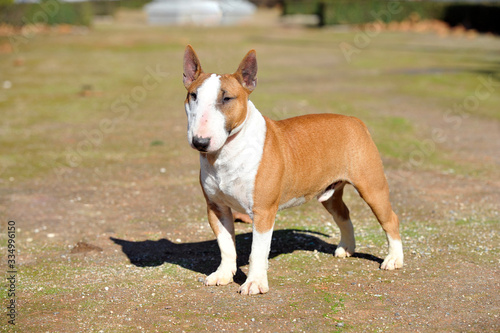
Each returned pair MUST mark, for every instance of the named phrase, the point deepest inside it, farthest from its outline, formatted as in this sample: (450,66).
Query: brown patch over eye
(233,101)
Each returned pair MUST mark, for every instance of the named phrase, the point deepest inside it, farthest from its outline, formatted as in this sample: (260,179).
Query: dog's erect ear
(192,67)
(247,71)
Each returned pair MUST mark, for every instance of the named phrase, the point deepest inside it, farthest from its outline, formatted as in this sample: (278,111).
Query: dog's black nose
(201,143)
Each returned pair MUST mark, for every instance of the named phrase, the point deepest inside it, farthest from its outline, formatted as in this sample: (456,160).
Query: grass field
(111,231)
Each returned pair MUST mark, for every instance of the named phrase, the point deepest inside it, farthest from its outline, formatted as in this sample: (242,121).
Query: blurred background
(479,15)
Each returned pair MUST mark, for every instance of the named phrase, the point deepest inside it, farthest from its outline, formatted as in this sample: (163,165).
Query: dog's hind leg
(337,208)
(237,216)
(375,192)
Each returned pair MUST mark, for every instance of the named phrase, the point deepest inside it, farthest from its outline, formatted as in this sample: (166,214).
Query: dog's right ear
(192,67)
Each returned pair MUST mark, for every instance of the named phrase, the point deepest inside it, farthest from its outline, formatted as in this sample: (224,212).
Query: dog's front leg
(221,221)
(256,282)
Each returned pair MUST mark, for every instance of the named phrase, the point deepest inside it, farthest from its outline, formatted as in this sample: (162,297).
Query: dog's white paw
(220,277)
(392,261)
(254,286)
(344,251)
(395,258)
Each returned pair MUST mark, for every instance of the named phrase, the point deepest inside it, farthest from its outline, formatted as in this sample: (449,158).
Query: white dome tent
(198,12)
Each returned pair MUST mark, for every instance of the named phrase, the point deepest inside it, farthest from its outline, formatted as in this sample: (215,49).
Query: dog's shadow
(204,257)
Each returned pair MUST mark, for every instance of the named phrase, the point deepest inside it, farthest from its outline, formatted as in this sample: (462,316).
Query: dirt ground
(119,242)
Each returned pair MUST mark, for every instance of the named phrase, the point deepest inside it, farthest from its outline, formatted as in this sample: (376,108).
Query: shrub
(49,12)
(363,11)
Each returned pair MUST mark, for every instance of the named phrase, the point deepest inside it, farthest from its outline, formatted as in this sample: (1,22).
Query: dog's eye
(193,96)
(227,99)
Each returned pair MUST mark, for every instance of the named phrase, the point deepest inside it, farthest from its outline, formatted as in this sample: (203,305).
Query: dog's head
(216,105)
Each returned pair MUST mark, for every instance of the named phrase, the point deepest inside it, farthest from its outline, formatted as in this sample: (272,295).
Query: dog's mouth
(201,150)
(211,144)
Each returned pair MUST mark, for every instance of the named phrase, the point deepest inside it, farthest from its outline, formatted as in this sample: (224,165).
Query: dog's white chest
(232,186)
(230,179)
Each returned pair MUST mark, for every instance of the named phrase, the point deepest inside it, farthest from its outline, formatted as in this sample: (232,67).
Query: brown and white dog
(257,166)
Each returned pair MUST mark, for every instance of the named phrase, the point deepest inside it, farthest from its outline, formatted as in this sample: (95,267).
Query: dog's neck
(237,129)
(245,140)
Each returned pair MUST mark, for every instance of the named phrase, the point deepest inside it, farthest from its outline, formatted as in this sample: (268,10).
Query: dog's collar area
(238,128)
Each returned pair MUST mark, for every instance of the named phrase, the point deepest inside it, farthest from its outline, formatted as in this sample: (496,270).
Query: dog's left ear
(192,67)
(247,71)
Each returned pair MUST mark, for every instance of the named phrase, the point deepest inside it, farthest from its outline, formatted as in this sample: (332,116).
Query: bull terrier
(255,166)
